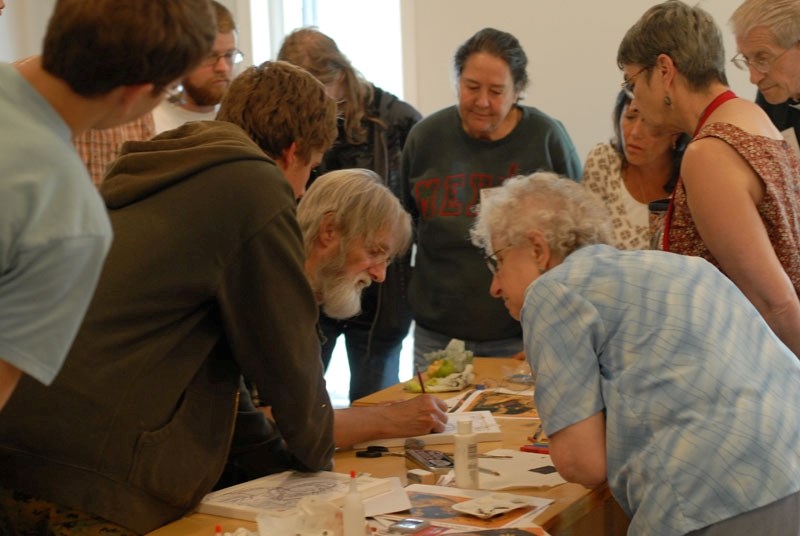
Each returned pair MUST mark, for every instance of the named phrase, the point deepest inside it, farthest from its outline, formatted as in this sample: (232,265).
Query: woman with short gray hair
(653,371)
(735,202)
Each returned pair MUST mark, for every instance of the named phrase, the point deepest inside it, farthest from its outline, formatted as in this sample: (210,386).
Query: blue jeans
(374,362)
(426,341)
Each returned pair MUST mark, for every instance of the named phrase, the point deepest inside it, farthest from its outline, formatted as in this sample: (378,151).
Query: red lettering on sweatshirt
(437,197)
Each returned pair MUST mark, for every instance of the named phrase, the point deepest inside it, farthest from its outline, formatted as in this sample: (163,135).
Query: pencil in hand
(419,379)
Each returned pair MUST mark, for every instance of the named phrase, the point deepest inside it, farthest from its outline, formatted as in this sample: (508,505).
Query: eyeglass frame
(232,57)
(174,93)
(627,85)
(378,254)
(743,63)
(492,261)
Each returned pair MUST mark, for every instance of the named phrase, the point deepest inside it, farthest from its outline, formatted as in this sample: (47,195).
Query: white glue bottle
(466,455)
(353,519)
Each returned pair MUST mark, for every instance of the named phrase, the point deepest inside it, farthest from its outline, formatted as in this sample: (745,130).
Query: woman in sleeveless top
(735,203)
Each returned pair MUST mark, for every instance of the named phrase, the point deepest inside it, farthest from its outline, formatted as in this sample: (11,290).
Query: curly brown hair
(278,104)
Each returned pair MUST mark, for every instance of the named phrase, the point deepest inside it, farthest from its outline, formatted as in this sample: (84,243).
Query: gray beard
(339,295)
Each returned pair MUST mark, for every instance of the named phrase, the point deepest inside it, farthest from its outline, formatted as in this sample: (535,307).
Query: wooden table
(575,510)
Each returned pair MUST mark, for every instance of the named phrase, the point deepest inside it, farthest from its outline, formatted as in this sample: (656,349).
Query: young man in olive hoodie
(204,283)
(207,281)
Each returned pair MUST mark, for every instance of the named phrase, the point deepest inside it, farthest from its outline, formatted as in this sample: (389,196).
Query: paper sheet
(483,424)
(394,500)
(523,470)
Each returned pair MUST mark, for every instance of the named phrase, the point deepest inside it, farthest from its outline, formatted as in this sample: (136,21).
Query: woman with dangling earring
(735,203)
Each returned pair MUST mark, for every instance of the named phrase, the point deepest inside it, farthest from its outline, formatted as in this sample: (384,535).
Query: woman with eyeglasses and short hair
(735,203)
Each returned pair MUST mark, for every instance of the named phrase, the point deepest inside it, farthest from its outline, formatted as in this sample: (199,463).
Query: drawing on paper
(279,494)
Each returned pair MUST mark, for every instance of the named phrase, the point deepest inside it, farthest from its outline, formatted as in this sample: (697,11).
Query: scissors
(377,451)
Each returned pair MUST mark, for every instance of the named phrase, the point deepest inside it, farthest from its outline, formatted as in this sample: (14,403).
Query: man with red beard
(204,87)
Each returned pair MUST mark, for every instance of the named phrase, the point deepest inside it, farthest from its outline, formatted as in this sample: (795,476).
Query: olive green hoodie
(204,282)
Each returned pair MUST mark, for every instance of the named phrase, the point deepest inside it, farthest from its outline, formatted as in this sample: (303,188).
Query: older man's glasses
(231,57)
(378,254)
(761,63)
(629,84)
(492,261)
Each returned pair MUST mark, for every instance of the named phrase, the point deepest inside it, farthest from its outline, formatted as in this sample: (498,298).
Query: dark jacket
(385,306)
(204,282)
(784,115)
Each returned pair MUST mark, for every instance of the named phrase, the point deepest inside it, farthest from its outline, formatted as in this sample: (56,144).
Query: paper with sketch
(435,505)
(522,470)
(483,424)
(499,402)
(278,494)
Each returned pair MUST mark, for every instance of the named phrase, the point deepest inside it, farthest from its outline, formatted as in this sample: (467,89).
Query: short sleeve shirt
(702,401)
(54,232)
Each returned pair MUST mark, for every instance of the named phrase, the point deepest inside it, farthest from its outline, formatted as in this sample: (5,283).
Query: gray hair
(686,34)
(500,44)
(361,206)
(781,17)
(568,215)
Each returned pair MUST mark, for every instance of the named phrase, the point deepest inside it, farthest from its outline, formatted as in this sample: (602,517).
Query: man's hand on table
(423,414)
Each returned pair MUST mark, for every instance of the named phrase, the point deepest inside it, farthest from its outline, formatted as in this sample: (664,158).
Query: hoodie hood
(147,167)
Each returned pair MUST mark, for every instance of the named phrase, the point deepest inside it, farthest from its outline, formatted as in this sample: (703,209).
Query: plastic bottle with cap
(353,519)
(465,455)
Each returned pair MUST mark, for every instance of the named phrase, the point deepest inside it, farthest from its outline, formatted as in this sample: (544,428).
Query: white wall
(22,27)
(571,47)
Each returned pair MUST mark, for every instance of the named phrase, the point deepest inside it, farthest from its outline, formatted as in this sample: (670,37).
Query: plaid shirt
(98,148)
(701,398)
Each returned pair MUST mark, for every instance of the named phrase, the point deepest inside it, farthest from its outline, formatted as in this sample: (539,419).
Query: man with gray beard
(352,227)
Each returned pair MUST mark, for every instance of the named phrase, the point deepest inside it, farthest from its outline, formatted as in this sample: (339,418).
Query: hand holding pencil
(419,379)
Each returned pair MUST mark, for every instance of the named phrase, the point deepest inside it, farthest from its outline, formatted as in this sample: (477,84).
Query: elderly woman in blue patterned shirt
(654,371)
